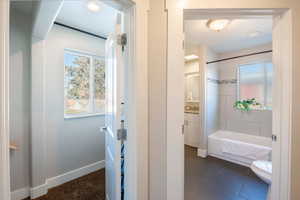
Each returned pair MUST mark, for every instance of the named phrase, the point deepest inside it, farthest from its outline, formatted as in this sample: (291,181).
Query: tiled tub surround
(255,122)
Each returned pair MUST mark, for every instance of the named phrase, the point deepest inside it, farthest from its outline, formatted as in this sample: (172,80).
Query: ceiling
(76,14)
(234,37)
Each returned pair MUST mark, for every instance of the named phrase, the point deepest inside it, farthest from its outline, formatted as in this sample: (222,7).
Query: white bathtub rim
(215,141)
(263,141)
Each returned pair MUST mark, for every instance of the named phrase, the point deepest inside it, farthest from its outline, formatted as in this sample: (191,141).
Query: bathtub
(239,148)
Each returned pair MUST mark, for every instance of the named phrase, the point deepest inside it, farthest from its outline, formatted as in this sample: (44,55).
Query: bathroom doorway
(228,132)
(278,189)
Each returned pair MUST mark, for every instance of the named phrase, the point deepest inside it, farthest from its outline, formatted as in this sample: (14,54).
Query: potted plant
(247,105)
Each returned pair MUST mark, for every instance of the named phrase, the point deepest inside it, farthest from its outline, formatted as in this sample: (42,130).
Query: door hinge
(274,138)
(182,129)
(122,40)
(122,132)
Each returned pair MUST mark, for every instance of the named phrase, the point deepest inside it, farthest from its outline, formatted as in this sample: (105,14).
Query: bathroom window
(84,84)
(255,81)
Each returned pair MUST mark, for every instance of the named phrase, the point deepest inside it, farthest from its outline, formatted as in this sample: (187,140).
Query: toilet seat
(263,169)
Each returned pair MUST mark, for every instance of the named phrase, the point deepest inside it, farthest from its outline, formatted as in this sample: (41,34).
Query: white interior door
(113,117)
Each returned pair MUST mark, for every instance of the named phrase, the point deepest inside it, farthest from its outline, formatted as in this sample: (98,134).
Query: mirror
(192,87)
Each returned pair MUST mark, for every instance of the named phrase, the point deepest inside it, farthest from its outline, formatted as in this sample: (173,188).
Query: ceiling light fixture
(217,24)
(190,57)
(93,5)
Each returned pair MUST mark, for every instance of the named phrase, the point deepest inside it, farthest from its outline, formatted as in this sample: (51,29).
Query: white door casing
(4,101)
(175,103)
(113,116)
(282,110)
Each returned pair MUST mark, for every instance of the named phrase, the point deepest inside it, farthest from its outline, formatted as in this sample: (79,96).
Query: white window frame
(238,97)
(91,108)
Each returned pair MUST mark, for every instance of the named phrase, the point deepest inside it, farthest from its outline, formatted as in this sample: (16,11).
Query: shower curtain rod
(235,57)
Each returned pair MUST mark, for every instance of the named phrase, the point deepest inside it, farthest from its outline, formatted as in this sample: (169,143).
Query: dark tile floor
(215,179)
(89,187)
(205,179)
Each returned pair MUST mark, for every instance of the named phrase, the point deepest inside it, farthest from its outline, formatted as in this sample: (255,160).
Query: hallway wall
(71,143)
(20,53)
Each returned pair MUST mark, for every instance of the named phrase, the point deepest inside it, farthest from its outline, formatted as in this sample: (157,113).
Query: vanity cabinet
(192,129)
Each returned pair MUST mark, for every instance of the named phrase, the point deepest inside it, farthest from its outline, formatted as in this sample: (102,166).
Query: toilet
(263,169)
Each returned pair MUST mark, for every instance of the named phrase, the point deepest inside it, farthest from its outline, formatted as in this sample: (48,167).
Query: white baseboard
(22,193)
(202,153)
(69,176)
(56,181)
(38,191)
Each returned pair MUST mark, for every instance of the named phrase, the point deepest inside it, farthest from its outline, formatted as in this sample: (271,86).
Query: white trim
(136,154)
(83,116)
(282,109)
(20,194)
(38,191)
(174,103)
(56,181)
(4,101)
(202,153)
(74,174)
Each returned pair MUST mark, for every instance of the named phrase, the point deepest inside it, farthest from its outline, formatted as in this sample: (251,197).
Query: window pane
(99,97)
(252,82)
(77,74)
(269,79)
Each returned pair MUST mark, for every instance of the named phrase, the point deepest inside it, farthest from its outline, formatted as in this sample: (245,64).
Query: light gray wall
(71,143)
(20,53)
(253,122)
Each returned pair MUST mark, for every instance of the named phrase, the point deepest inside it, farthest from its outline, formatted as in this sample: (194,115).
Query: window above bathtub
(84,84)
(255,81)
